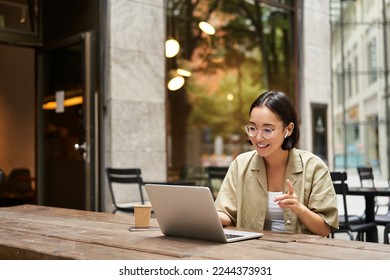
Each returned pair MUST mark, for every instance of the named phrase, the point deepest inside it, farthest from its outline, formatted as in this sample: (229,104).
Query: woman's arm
(226,201)
(311,220)
(225,219)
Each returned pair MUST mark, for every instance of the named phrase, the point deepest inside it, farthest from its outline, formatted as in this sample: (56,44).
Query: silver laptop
(189,211)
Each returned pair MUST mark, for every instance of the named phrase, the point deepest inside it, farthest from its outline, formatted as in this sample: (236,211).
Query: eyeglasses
(266,132)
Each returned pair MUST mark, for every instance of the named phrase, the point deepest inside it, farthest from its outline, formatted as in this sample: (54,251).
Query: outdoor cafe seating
(366,174)
(349,224)
(17,188)
(120,181)
(127,187)
(367,179)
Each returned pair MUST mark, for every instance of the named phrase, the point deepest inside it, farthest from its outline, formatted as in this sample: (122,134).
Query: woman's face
(270,131)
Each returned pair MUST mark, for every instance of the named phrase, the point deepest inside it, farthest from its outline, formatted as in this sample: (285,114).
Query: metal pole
(386,72)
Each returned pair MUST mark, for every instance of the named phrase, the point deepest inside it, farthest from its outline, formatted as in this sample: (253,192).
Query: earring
(285,136)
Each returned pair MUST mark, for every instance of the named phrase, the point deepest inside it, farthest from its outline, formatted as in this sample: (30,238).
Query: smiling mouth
(262,145)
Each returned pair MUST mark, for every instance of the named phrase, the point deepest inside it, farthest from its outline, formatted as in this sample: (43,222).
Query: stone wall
(134,119)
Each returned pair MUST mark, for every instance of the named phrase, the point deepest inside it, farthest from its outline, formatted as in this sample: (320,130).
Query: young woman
(277,187)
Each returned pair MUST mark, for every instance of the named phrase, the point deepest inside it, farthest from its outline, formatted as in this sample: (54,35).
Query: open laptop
(189,211)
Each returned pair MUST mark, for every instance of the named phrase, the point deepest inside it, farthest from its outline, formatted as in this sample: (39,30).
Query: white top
(274,219)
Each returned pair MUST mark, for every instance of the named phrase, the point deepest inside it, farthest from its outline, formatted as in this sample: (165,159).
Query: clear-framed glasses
(265,132)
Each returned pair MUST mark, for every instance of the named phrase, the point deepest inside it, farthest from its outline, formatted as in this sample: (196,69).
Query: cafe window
(220,56)
(372,61)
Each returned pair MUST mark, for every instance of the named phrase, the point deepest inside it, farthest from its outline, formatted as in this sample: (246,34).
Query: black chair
(2,179)
(347,223)
(17,188)
(366,174)
(3,182)
(384,220)
(215,176)
(339,177)
(20,180)
(122,180)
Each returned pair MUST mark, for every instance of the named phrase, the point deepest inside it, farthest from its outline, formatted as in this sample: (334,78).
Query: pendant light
(207,28)
(175,81)
(172,47)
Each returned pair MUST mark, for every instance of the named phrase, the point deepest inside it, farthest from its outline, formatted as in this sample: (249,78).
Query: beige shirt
(244,193)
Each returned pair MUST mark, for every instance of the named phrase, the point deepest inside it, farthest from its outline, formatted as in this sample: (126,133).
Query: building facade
(312,95)
(360,84)
(124,115)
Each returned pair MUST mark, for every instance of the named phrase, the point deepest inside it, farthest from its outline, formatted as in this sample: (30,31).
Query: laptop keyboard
(230,235)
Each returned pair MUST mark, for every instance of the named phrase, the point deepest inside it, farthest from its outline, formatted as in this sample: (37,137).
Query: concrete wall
(315,69)
(134,120)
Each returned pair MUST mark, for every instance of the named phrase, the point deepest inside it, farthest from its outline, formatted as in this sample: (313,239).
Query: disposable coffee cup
(142,215)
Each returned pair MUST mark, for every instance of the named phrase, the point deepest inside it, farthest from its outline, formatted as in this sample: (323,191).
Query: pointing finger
(290,187)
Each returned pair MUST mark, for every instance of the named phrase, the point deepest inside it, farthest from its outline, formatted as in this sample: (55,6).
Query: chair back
(366,174)
(216,174)
(2,180)
(126,176)
(19,180)
(341,188)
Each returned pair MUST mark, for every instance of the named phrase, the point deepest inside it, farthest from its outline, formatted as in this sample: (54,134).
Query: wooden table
(369,194)
(39,232)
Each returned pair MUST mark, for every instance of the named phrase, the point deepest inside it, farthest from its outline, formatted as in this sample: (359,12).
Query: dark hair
(280,104)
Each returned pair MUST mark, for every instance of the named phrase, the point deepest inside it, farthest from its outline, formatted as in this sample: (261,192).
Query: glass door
(66,141)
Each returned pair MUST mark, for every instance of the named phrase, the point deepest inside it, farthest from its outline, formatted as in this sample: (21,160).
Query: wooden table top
(40,232)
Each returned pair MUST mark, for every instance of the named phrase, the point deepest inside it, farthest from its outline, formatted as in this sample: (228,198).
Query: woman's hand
(311,220)
(289,200)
